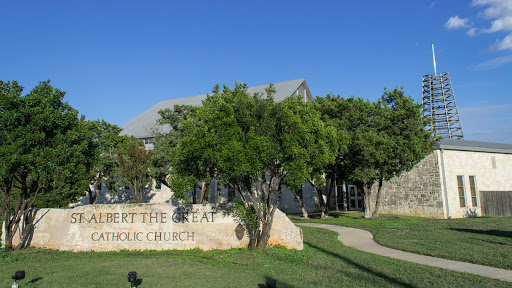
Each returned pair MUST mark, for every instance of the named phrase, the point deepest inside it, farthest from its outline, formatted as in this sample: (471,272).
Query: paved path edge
(363,240)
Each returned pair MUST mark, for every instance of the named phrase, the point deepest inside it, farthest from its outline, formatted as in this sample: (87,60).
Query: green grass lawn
(485,240)
(324,262)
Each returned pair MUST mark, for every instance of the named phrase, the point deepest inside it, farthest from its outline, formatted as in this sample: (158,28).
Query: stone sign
(149,226)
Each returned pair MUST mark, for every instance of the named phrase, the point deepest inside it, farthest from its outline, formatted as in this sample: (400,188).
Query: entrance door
(355,200)
(340,205)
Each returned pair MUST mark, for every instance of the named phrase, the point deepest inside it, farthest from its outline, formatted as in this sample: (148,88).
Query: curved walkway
(363,240)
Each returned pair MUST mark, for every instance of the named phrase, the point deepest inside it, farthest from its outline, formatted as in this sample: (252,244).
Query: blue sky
(116,59)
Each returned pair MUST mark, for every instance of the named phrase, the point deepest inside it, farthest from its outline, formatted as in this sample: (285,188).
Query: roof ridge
(138,126)
(303,79)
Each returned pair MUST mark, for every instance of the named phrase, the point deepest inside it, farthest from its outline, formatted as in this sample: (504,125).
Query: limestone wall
(415,193)
(149,226)
(290,204)
(488,177)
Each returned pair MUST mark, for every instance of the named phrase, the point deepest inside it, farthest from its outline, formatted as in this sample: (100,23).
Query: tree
(408,143)
(163,155)
(344,115)
(256,145)
(43,145)
(387,137)
(133,163)
(102,163)
(319,152)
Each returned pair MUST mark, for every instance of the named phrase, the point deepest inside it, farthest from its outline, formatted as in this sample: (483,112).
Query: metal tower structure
(439,105)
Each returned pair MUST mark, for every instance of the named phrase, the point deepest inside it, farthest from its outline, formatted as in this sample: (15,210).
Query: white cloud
(500,14)
(493,63)
(456,23)
(496,9)
(432,4)
(501,24)
(472,32)
(505,43)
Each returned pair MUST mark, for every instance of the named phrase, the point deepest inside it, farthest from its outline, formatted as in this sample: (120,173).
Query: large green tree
(387,137)
(164,145)
(44,145)
(256,145)
(133,163)
(408,141)
(346,115)
(101,166)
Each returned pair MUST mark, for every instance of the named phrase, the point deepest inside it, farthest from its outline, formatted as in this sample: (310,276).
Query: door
(355,199)
(340,200)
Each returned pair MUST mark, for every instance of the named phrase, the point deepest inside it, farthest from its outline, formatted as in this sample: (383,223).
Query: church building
(459,179)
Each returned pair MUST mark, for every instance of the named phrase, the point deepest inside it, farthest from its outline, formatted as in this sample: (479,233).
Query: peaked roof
(477,146)
(144,125)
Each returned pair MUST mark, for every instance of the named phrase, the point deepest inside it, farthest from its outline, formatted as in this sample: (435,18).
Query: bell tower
(439,104)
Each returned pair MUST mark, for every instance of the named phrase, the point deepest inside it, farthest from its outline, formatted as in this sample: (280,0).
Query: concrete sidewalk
(363,240)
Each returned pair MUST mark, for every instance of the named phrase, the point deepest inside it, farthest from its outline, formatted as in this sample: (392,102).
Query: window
(460,185)
(158,185)
(493,161)
(472,188)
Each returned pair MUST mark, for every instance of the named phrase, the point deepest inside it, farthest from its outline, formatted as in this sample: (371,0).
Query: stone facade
(432,188)
(415,193)
(113,227)
(290,204)
(491,172)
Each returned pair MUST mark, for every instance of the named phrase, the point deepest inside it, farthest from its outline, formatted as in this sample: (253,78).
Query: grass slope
(484,240)
(324,262)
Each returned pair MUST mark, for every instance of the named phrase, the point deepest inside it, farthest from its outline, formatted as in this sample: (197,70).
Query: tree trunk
(28,228)
(266,226)
(321,201)
(13,215)
(7,224)
(265,234)
(134,193)
(323,207)
(13,223)
(219,187)
(8,234)
(93,195)
(137,195)
(330,189)
(11,227)
(301,203)
(367,188)
(194,194)
(254,239)
(203,198)
(377,201)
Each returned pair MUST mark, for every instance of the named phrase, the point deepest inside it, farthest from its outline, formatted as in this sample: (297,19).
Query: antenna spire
(434,56)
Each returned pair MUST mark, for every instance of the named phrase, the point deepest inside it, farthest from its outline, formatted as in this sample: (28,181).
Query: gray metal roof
(144,125)
(477,146)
